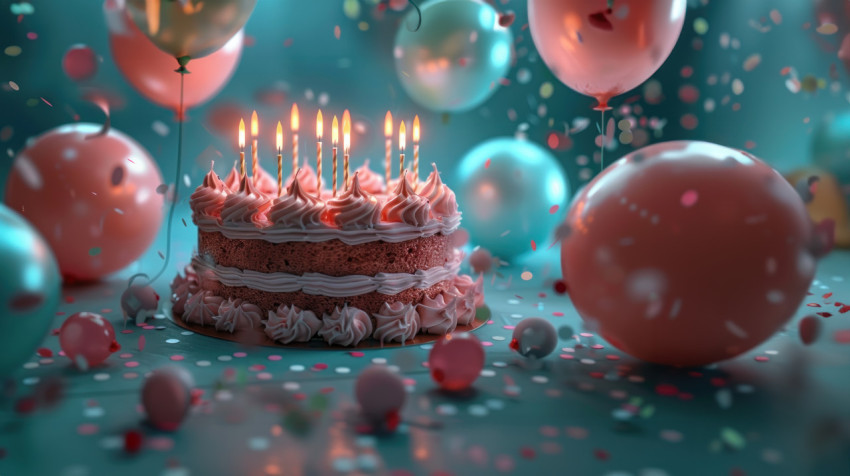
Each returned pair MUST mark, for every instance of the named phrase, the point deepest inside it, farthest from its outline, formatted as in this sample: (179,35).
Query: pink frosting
(208,199)
(306,177)
(438,315)
(370,181)
(346,327)
(264,181)
(232,180)
(183,287)
(396,322)
(465,284)
(442,198)
(202,308)
(406,206)
(467,294)
(236,315)
(354,209)
(291,324)
(393,184)
(297,209)
(246,206)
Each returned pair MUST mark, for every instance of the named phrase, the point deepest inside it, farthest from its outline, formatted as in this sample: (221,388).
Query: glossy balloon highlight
(686,253)
(455,60)
(29,290)
(506,188)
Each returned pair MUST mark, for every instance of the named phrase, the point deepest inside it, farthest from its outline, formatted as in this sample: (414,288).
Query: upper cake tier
(248,208)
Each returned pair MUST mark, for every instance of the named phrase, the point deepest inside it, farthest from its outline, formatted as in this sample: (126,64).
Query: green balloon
(29,290)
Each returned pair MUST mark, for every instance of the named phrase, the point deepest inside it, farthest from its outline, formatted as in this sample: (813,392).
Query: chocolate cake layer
(333,258)
(370,302)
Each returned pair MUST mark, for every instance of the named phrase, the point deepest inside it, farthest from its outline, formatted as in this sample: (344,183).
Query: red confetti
(813,304)
(336,32)
(554,209)
(514,345)
(601,454)
(666,389)
(533,246)
(824,314)
(810,329)
(560,286)
(133,440)
(842,336)
(527,452)
(827,295)
(44,352)
(47,102)
(487,164)
(320,366)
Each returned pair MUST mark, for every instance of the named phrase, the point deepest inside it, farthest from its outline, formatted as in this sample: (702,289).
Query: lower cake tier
(200,298)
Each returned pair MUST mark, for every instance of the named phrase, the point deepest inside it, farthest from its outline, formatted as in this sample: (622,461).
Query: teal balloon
(831,146)
(455,60)
(29,290)
(506,190)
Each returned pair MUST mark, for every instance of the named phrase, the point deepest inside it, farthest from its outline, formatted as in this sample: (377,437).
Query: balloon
(79,63)
(601,51)
(167,396)
(380,394)
(193,29)
(139,302)
(456,361)
(687,253)
(151,72)
(534,337)
(831,145)
(87,339)
(455,60)
(826,202)
(93,197)
(507,188)
(481,261)
(29,290)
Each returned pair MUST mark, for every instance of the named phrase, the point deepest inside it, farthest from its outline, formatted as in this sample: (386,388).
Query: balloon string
(173,205)
(419,12)
(602,143)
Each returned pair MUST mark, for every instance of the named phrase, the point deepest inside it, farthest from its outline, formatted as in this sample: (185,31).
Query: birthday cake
(300,264)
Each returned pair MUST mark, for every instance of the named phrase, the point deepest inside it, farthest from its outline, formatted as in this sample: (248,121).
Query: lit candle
(279,141)
(334,141)
(319,153)
(401,142)
(388,135)
(346,145)
(254,156)
(293,124)
(416,149)
(242,147)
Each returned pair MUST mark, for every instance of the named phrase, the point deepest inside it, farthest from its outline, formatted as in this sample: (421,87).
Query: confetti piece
(12,51)
(47,102)
(14,86)
(546,90)
(336,32)
(776,17)
(732,438)
(827,29)
(533,246)
(553,209)
(487,164)
(700,26)
(526,276)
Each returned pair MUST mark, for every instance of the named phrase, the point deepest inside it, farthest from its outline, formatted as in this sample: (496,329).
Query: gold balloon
(827,202)
(190,28)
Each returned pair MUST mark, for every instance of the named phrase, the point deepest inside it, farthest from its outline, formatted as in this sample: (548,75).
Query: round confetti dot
(12,51)
(737,86)
(297,368)
(689,198)
(700,26)
(101,377)
(342,370)
(203,363)
(689,122)
(546,90)
(224,358)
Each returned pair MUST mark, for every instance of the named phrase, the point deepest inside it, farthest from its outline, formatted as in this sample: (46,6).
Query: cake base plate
(259,338)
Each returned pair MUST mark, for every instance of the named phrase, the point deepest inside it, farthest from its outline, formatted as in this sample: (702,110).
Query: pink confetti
(47,102)
(141,343)
(533,246)
(689,198)
(554,209)
(177,358)
(357,353)
(842,336)
(487,164)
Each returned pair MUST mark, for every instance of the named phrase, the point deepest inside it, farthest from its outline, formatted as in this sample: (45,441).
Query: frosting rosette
(208,199)
(233,178)
(306,178)
(247,205)
(291,324)
(202,308)
(396,322)
(369,180)
(181,288)
(236,314)
(406,206)
(354,209)
(264,182)
(438,315)
(441,197)
(466,285)
(297,209)
(346,327)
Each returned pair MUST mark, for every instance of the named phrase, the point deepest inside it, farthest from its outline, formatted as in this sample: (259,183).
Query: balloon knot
(183,61)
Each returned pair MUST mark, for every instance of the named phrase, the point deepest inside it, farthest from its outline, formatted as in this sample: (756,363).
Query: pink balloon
(167,396)
(456,361)
(687,253)
(380,393)
(87,339)
(79,63)
(92,197)
(151,71)
(604,52)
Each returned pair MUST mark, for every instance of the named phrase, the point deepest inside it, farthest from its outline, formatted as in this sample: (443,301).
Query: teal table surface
(780,409)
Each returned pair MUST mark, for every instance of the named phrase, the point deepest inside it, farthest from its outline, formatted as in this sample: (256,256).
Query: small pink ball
(79,63)
(481,261)
(456,361)
(87,339)
(380,393)
(167,396)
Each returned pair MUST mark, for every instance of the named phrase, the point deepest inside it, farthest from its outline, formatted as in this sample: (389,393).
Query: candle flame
(241,133)
(319,125)
(293,118)
(346,132)
(402,132)
(346,118)
(254,126)
(335,132)
(279,137)
(388,125)
(416,129)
